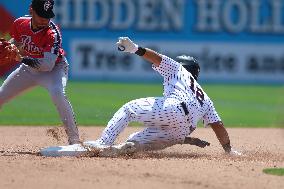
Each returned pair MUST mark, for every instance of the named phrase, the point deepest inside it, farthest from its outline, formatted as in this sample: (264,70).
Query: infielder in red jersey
(43,62)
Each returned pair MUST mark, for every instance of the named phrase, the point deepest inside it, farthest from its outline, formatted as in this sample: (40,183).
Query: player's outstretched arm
(223,137)
(126,45)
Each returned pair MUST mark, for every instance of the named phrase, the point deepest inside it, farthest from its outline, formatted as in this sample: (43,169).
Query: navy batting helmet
(190,64)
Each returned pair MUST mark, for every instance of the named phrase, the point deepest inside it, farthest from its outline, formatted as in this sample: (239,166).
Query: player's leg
(155,138)
(55,82)
(151,138)
(167,125)
(139,110)
(17,82)
(163,117)
(171,128)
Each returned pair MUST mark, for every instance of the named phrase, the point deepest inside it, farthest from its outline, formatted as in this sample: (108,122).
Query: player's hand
(18,56)
(9,53)
(196,141)
(12,52)
(234,152)
(202,144)
(124,44)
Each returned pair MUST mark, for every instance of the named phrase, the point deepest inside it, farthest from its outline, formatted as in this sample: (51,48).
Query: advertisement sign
(234,40)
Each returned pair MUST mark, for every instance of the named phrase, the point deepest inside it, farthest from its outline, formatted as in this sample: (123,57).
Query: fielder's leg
(17,82)
(55,82)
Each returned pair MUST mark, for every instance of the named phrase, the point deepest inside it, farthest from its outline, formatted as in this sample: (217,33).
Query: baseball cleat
(94,144)
(76,150)
(127,148)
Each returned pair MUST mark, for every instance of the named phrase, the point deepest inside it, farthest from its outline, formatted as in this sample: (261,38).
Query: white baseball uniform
(167,121)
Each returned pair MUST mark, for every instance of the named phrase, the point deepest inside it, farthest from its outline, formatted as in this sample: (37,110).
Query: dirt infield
(181,166)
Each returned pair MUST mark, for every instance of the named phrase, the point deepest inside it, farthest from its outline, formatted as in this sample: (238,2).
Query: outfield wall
(235,40)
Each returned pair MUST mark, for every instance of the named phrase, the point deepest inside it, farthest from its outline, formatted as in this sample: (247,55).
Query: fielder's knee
(126,108)
(56,91)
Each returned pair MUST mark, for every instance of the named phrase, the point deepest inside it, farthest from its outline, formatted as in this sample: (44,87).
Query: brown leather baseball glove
(9,53)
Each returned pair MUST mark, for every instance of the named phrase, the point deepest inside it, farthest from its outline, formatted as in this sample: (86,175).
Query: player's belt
(183,105)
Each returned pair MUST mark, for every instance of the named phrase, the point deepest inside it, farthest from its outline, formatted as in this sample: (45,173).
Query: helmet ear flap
(194,69)
(190,64)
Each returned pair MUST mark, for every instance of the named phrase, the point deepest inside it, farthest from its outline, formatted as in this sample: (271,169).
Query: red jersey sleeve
(14,30)
(54,41)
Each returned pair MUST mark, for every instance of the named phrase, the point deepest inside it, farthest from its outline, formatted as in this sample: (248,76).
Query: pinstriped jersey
(180,84)
(35,43)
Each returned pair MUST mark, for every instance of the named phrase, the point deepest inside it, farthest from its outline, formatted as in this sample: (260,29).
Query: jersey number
(199,93)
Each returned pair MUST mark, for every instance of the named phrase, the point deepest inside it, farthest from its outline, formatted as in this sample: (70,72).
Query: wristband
(141,51)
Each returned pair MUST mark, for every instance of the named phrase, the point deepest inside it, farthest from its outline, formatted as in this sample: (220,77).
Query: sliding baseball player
(168,120)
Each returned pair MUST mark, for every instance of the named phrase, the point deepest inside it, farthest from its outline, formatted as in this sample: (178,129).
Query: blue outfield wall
(234,40)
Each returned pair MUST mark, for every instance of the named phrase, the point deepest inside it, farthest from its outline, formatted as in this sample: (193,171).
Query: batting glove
(126,45)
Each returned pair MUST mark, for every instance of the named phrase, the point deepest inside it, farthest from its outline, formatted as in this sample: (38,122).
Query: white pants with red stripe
(165,121)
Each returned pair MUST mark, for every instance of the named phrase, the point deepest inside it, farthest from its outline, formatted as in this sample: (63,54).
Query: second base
(60,151)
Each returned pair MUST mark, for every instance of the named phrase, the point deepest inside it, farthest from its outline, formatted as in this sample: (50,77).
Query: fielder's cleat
(76,150)
(127,148)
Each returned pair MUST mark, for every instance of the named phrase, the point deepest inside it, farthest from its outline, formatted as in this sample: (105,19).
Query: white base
(76,150)
(89,149)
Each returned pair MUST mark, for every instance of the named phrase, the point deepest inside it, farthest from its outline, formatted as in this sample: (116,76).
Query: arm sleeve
(168,67)
(52,50)
(211,116)
(54,41)
(14,31)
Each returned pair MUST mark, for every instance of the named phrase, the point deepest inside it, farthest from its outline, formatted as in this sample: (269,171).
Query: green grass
(255,106)
(94,104)
(274,171)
